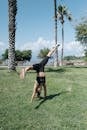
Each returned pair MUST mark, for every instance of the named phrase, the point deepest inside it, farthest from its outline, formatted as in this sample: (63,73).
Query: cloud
(74,48)
(37,45)
(3,46)
(70,48)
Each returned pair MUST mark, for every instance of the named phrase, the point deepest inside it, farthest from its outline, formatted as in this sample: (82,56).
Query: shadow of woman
(50,97)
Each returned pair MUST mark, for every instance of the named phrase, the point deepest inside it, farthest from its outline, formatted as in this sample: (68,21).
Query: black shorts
(41,80)
(40,66)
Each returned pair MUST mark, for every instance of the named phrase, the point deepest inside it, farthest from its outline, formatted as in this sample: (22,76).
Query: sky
(35,26)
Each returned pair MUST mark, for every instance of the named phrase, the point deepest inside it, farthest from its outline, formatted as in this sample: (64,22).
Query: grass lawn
(65,107)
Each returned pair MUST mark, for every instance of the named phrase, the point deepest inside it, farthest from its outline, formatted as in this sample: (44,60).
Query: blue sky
(35,25)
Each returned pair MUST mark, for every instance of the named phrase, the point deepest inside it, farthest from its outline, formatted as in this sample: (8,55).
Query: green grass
(65,107)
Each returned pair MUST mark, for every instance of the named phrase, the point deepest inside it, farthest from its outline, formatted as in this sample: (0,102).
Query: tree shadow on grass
(3,68)
(50,97)
(57,70)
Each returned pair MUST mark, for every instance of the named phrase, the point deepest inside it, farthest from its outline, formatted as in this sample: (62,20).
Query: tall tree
(62,12)
(12,10)
(55,17)
(81,34)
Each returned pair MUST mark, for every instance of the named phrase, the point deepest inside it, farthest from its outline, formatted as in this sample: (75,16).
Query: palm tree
(12,10)
(62,12)
(55,17)
(43,52)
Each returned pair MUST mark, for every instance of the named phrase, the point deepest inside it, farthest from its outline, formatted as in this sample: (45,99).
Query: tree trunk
(62,53)
(56,52)
(12,5)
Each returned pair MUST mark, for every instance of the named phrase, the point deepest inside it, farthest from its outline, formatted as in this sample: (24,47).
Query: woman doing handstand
(40,79)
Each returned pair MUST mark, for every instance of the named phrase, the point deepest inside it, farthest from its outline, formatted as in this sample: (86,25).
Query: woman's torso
(40,74)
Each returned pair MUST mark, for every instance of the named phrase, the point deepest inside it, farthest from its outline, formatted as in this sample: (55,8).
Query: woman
(40,79)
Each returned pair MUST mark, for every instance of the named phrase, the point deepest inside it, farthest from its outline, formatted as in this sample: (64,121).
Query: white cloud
(70,48)
(37,45)
(73,48)
(2,46)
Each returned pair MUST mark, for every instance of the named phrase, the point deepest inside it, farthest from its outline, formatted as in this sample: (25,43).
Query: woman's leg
(52,50)
(24,70)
